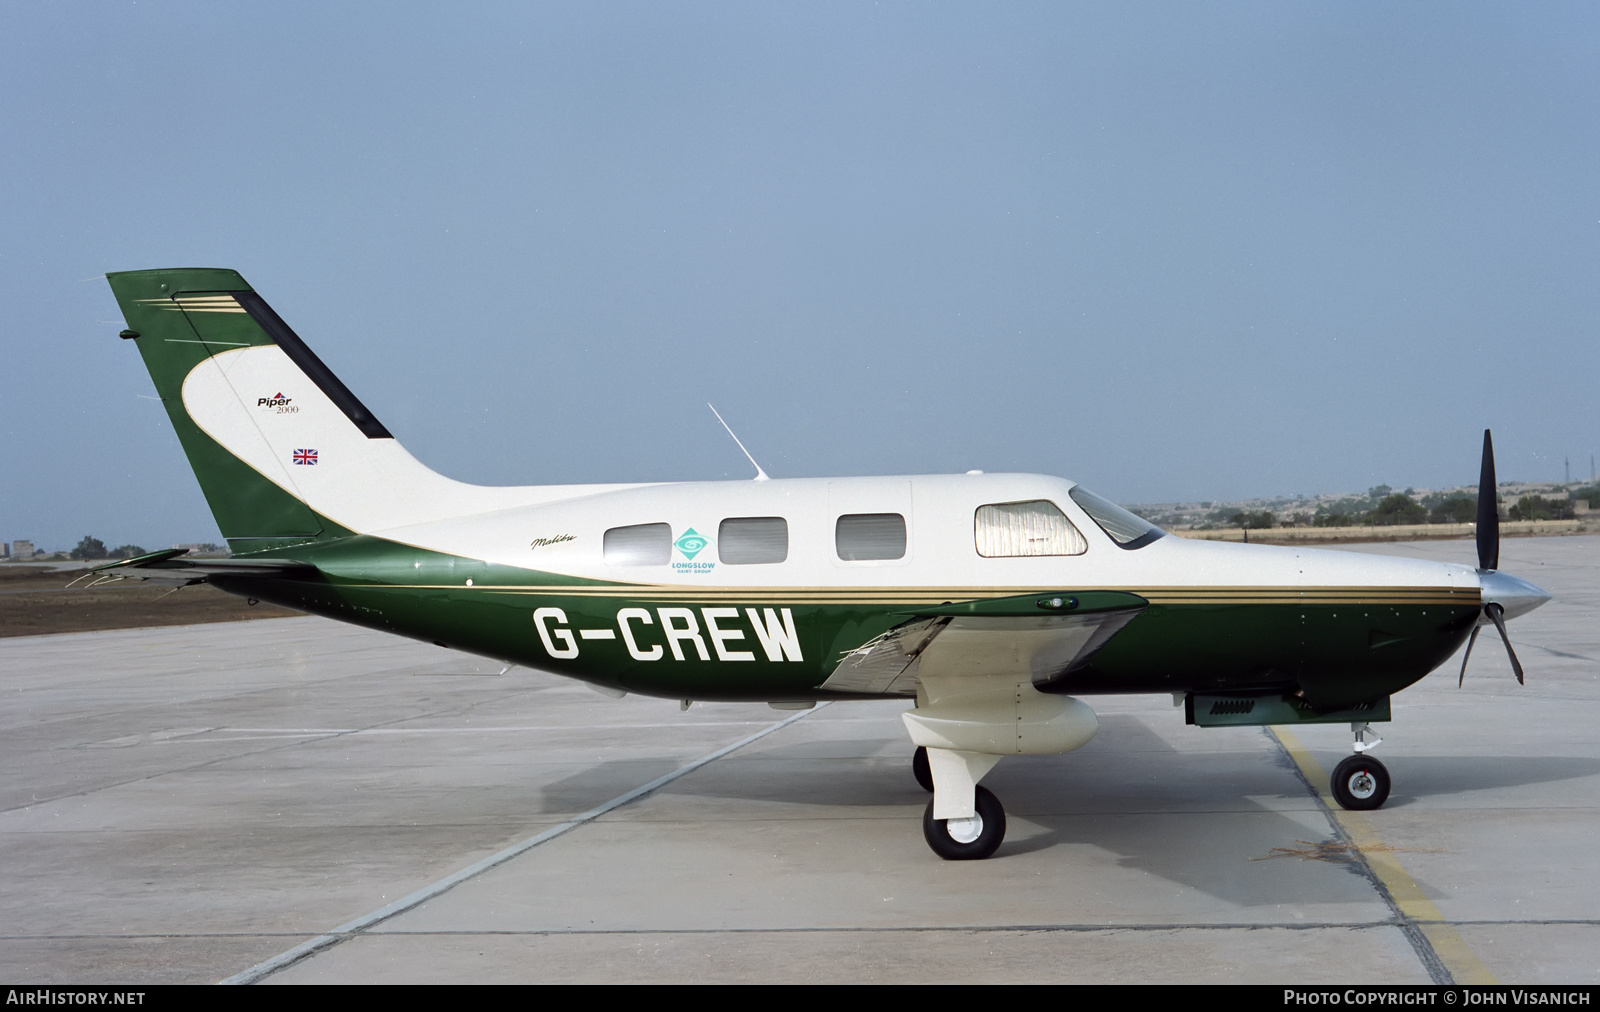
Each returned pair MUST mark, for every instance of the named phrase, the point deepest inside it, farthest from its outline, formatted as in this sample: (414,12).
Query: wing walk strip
(1446,955)
(946,595)
(421,896)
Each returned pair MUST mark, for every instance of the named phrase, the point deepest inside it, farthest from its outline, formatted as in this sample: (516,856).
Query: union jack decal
(305,456)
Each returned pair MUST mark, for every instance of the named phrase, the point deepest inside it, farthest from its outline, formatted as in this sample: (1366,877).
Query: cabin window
(639,545)
(1126,529)
(1037,527)
(746,541)
(863,537)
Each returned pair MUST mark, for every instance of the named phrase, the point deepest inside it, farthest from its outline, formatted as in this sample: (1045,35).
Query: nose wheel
(967,839)
(1360,783)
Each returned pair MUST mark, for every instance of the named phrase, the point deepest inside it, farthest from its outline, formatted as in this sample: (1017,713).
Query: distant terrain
(33,600)
(1382,513)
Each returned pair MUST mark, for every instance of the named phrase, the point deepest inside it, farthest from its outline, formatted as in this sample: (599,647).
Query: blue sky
(1174,251)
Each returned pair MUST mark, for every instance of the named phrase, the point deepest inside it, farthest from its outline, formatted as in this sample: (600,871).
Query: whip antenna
(760,474)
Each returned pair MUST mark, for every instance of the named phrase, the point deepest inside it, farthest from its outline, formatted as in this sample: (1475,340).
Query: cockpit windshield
(1126,529)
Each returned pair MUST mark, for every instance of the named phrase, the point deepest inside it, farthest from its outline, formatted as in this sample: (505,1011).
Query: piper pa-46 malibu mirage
(993,600)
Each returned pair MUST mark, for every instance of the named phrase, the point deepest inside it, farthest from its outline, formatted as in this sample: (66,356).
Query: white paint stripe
(426,893)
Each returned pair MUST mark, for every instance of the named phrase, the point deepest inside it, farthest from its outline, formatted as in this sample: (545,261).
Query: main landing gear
(921,770)
(1361,783)
(963,727)
(967,839)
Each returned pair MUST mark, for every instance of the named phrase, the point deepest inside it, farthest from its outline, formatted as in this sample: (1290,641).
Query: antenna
(760,474)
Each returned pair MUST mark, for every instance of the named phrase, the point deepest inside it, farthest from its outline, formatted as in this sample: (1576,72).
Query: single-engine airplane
(992,600)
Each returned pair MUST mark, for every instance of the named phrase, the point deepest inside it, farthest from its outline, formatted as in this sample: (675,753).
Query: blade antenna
(760,474)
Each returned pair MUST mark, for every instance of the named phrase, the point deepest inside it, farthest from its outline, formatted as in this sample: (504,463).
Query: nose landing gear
(1361,783)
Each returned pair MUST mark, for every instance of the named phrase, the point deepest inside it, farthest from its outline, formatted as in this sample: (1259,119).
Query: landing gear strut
(1361,783)
(967,839)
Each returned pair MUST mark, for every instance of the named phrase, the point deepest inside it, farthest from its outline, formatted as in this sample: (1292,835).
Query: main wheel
(1360,783)
(920,768)
(967,839)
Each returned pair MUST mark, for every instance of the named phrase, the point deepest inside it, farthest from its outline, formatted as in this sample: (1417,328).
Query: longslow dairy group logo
(691,543)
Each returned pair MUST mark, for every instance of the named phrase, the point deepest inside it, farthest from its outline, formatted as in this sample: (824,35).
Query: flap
(167,567)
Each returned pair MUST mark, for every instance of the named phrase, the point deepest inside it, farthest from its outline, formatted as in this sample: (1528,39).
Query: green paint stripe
(1451,949)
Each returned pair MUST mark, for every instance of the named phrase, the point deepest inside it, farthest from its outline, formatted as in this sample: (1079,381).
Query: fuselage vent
(1233,706)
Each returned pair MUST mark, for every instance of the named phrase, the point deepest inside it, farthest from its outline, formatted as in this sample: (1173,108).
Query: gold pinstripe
(1461,596)
(196,304)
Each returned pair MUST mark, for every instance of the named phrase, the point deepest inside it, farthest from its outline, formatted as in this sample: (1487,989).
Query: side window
(746,541)
(862,537)
(1013,529)
(639,545)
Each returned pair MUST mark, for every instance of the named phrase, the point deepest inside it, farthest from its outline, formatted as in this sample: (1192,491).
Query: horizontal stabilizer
(167,567)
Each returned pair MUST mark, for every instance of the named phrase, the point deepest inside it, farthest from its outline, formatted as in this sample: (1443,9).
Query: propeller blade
(1496,615)
(1470,640)
(1488,510)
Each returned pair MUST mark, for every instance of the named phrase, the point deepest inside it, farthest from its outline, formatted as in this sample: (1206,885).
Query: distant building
(205,548)
(22,550)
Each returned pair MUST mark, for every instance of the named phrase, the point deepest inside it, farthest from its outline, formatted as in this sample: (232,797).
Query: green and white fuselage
(992,599)
(530,584)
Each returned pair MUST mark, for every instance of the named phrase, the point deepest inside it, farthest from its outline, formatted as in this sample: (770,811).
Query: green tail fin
(190,325)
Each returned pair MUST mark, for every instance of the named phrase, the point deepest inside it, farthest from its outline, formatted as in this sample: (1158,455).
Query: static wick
(760,474)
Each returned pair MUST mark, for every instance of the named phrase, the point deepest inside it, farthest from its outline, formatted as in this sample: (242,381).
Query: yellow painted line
(1452,950)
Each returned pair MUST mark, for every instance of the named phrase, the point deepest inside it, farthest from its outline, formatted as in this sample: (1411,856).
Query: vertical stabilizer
(283,450)
(190,326)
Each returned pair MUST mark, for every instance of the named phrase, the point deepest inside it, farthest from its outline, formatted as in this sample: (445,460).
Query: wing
(166,567)
(1043,637)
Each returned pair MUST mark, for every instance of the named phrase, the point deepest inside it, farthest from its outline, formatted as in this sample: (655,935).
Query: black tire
(991,829)
(1360,783)
(921,770)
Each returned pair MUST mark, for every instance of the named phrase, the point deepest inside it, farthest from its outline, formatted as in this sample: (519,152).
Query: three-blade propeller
(1489,558)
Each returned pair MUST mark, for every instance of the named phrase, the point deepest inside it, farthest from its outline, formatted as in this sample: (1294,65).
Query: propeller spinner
(1503,595)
